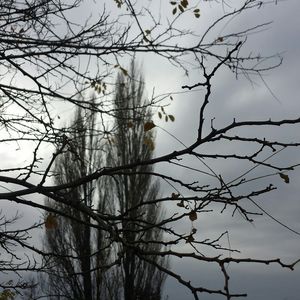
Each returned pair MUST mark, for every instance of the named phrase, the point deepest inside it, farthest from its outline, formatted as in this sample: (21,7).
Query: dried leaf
(148,126)
(180,204)
(51,222)
(174,11)
(193,215)
(147,31)
(285,177)
(166,118)
(125,72)
(181,8)
(149,142)
(196,11)
(175,196)
(173,2)
(172,118)
(197,16)
(184,3)
(159,115)
(129,124)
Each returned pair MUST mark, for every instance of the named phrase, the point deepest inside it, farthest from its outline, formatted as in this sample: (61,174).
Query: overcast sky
(231,98)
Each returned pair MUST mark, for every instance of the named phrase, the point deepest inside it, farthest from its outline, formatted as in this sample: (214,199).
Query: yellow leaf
(149,142)
(184,3)
(285,177)
(148,126)
(193,215)
(51,222)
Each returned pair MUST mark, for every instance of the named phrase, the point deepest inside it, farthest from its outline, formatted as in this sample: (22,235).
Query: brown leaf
(184,3)
(51,222)
(181,8)
(125,72)
(180,204)
(285,177)
(149,142)
(193,215)
(129,124)
(148,126)
(172,118)
(175,196)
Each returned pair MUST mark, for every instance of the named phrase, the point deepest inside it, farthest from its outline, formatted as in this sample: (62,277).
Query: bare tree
(49,58)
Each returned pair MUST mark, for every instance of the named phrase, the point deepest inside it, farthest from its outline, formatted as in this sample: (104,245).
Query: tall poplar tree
(80,251)
(77,247)
(131,143)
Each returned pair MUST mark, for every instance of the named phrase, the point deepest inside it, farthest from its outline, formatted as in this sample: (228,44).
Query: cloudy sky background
(243,100)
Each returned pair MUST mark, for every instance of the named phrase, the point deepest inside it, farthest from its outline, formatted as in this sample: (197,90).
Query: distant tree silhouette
(79,249)
(130,142)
